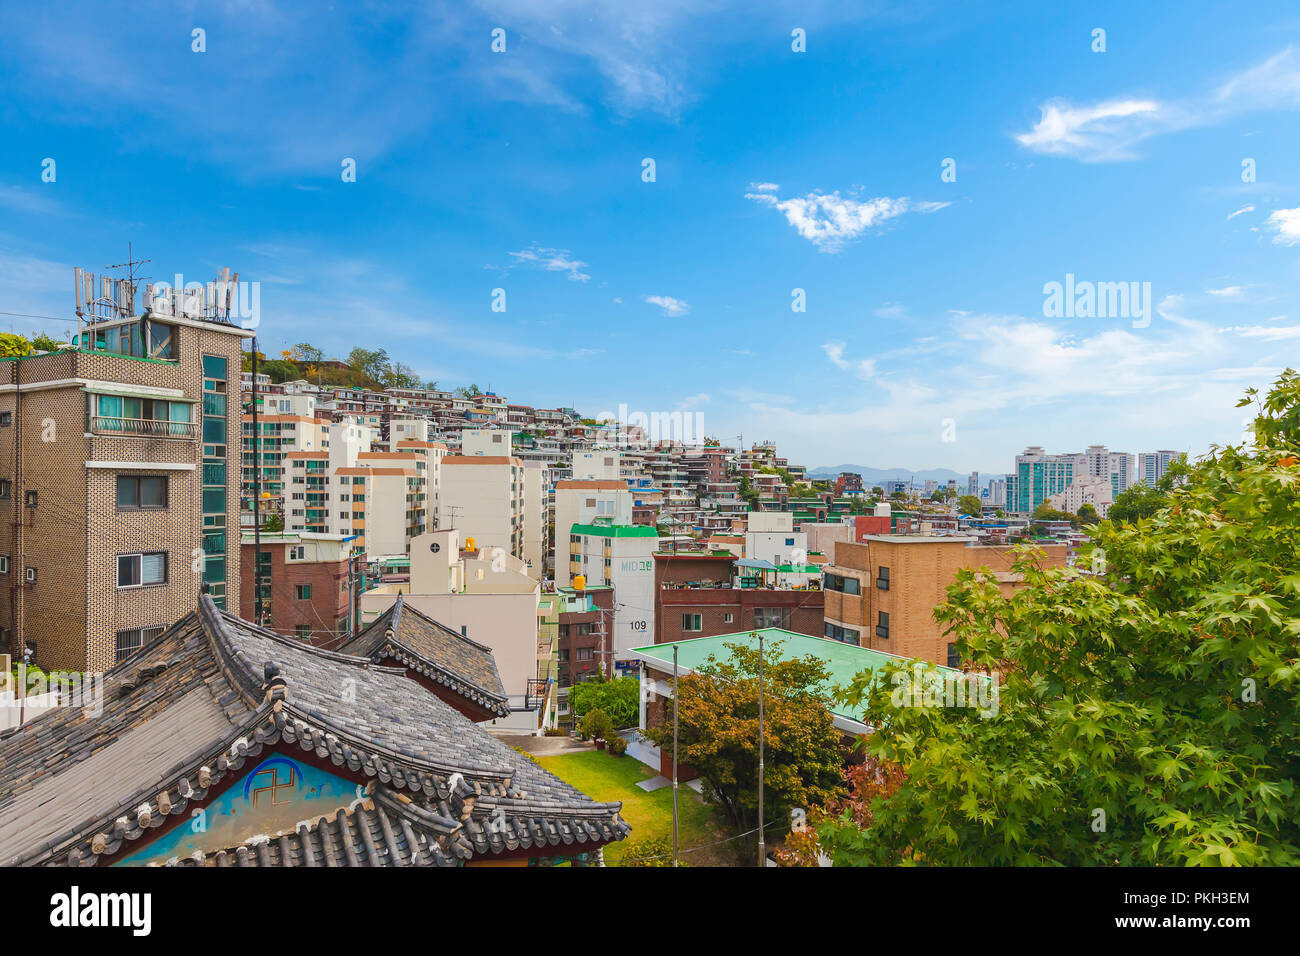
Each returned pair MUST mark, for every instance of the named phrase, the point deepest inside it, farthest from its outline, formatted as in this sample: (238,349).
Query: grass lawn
(606,779)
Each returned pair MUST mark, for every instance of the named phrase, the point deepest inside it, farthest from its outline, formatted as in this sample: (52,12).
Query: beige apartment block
(881,593)
(120,475)
(488,598)
(483,497)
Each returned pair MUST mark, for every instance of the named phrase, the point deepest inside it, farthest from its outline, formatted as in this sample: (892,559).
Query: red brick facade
(321,618)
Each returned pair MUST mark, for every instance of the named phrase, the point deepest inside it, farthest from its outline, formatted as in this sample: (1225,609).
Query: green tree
(372,363)
(718,732)
(970,505)
(467,391)
(619,698)
(47,343)
(1148,715)
(306,352)
(399,375)
(1131,504)
(1088,514)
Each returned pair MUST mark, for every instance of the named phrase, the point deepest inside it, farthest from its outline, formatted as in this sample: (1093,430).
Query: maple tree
(718,733)
(1149,704)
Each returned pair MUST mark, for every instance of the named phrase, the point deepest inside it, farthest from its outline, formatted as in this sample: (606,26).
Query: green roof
(801,569)
(615,530)
(843,661)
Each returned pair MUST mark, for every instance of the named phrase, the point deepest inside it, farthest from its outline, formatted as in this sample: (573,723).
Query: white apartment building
(1151,465)
(486,441)
(584,501)
(1093,490)
(597,465)
(770,536)
(621,557)
(483,497)
(536,488)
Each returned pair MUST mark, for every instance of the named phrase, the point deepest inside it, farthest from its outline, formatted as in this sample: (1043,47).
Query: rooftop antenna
(129,266)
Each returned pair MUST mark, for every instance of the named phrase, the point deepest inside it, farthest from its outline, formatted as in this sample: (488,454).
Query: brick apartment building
(303,580)
(696,596)
(881,592)
(119,467)
(585,632)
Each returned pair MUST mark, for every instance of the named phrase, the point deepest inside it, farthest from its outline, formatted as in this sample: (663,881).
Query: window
(882,579)
(954,659)
(789,542)
(845,634)
(138,492)
(128,642)
(771,617)
(4,564)
(838,582)
(6,488)
(302,631)
(298,553)
(882,626)
(728,618)
(692,622)
(141,570)
(584,653)
(302,592)
(6,419)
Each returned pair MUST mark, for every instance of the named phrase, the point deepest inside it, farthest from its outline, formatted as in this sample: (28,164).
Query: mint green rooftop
(843,661)
(615,530)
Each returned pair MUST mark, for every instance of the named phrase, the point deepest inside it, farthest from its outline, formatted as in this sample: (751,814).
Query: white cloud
(1273,84)
(1110,129)
(669,305)
(1265,333)
(1227,292)
(829,220)
(864,368)
(1101,131)
(1286,223)
(764,187)
(553,260)
(1243,209)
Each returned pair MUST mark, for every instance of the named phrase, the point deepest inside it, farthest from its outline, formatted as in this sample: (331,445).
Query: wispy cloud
(1243,209)
(1110,129)
(1265,333)
(669,305)
(1227,292)
(552,260)
(865,369)
(1101,131)
(830,220)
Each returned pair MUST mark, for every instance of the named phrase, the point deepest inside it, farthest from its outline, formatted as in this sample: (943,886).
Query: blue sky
(775,170)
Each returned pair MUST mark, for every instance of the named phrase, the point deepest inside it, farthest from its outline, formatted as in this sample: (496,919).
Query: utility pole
(674,754)
(762,853)
(257,495)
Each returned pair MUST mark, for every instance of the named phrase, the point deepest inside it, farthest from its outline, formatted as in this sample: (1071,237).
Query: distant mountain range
(874,476)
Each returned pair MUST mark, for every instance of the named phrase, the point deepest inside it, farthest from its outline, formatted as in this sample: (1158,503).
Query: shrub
(597,725)
(617,746)
(656,851)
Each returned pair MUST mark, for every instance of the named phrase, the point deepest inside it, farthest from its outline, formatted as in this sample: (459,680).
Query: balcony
(143,427)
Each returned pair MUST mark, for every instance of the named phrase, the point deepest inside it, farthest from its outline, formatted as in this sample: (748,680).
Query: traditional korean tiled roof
(188,713)
(420,643)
